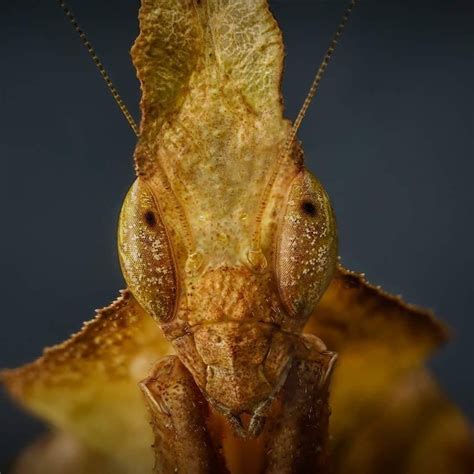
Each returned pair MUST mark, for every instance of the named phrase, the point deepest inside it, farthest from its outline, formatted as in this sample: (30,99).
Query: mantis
(230,284)
(229,245)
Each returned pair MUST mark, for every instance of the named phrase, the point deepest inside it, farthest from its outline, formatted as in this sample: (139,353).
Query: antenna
(100,67)
(255,249)
(317,79)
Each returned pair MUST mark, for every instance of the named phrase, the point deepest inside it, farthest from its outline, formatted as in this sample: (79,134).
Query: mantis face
(234,319)
(224,238)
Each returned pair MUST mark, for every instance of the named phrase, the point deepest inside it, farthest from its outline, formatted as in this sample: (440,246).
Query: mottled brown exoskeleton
(225,238)
(228,243)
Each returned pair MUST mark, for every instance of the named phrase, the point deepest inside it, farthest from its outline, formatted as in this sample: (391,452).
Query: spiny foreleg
(178,412)
(297,440)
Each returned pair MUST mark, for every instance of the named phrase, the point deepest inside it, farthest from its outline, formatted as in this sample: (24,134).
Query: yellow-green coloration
(145,253)
(229,244)
(211,150)
(307,247)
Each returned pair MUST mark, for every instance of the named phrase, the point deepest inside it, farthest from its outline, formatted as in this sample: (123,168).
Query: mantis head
(224,238)
(292,270)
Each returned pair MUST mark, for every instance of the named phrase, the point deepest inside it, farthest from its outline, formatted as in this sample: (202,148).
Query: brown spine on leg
(178,412)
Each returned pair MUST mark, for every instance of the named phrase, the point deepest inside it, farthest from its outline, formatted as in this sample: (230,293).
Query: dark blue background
(390,134)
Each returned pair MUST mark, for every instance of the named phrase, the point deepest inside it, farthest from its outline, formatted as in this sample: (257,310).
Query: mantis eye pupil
(150,218)
(309,208)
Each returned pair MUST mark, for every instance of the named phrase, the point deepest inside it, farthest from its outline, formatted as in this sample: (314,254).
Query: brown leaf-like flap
(165,55)
(387,414)
(352,311)
(87,386)
(205,67)
(385,419)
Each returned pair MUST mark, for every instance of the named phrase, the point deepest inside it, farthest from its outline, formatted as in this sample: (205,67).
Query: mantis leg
(297,441)
(178,410)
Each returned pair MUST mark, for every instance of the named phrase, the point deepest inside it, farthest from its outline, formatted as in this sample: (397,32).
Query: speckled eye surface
(307,246)
(145,253)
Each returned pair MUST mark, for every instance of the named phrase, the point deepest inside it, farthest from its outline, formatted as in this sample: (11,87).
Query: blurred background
(390,135)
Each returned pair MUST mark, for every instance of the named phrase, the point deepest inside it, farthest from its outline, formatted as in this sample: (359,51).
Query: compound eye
(145,253)
(307,246)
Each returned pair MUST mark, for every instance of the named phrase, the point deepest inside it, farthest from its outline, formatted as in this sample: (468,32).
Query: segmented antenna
(291,139)
(322,68)
(100,67)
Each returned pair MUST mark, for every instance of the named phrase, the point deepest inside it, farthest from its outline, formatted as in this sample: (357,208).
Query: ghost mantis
(229,245)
